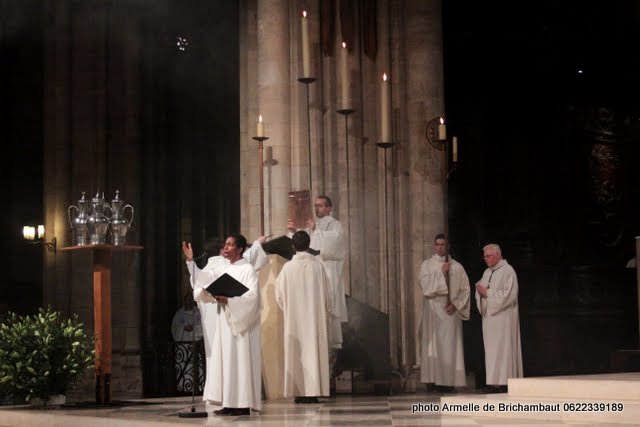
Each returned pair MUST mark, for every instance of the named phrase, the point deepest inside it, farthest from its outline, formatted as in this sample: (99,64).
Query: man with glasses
(497,301)
(328,238)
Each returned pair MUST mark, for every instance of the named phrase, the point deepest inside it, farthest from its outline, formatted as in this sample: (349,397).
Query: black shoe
(240,411)
(446,389)
(490,389)
(299,399)
(223,411)
(312,399)
(431,388)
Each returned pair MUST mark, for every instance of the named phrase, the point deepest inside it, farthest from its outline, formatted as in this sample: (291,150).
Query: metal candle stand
(260,140)
(306,81)
(346,112)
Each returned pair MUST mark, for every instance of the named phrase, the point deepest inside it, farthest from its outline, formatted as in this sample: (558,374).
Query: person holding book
(234,369)
(327,236)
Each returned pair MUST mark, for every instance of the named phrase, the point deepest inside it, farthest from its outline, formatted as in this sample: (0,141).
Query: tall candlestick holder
(307,81)
(345,112)
(442,145)
(385,145)
(261,140)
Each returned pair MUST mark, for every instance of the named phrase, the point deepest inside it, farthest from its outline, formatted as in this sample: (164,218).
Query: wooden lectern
(102,311)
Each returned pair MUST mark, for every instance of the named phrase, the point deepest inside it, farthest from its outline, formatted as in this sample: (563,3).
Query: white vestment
(442,352)
(234,358)
(500,324)
(182,319)
(255,255)
(302,292)
(328,238)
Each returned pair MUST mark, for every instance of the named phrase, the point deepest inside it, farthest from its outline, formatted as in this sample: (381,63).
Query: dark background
(544,99)
(542,96)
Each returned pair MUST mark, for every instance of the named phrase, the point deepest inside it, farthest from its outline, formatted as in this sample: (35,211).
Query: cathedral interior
(159,100)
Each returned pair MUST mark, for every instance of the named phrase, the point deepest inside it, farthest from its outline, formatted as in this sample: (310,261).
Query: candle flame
(304,13)
(260,118)
(344,45)
(441,120)
(384,77)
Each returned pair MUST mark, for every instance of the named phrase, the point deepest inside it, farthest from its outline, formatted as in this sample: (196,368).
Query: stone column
(420,163)
(273,93)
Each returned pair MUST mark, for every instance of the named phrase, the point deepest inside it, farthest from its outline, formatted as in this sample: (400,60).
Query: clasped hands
(482,289)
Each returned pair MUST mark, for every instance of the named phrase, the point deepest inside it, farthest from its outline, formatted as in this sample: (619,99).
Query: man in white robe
(443,310)
(234,372)
(302,292)
(497,301)
(328,238)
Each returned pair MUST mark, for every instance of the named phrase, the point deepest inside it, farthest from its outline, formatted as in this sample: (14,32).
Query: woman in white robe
(234,372)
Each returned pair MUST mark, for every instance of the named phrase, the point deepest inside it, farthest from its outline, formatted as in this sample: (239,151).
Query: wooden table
(102,311)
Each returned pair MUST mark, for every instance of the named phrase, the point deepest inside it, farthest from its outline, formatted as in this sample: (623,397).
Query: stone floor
(393,410)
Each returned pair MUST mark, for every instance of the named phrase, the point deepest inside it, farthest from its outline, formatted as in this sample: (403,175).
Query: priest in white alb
(328,238)
(443,310)
(234,372)
(302,292)
(497,301)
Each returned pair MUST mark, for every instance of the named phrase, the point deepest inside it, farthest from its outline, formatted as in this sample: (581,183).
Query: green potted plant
(42,355)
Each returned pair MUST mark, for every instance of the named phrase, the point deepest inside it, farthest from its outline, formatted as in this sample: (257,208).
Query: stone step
(602,398)
(622,386)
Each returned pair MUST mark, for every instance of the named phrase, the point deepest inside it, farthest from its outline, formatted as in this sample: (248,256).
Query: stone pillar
(419,162)
(272,73)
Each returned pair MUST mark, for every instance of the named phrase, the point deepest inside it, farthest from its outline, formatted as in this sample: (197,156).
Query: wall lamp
(36,236)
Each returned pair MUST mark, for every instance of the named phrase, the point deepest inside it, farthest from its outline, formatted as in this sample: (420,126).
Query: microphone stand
(196,381)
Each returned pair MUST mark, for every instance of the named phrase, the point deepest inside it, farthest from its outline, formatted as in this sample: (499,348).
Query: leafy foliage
(43,354)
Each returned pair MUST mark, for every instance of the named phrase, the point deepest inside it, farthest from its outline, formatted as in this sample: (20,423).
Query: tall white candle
(344,76)
(442,130)
(260,127)
(385,111)
(455,148)
(306,54)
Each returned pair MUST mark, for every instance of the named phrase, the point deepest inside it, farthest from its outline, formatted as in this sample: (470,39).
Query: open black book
(226,286)
(283,246)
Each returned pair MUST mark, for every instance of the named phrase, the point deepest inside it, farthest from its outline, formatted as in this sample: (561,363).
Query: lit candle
(344,76)
(260,127)
(385,111)
(28,233)
(41,232)
(455,149)
(306,57)
(442,130)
